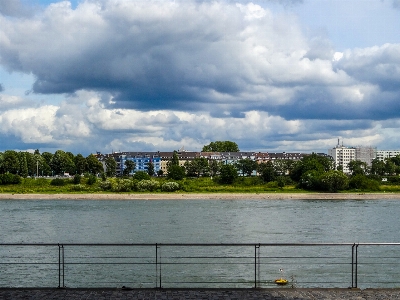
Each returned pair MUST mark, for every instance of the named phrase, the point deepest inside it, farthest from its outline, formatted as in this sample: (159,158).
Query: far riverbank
(205,196)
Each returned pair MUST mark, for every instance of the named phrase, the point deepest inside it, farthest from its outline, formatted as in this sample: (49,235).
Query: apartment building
(342,156)
(383,154)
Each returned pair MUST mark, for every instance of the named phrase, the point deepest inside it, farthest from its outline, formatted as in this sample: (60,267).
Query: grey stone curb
(172,294)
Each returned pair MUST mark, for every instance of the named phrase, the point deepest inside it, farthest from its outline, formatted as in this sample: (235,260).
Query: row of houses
(340,154)
(160,159)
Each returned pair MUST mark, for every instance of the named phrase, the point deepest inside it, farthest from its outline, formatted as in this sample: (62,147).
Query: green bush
(78,188)
(58,182)
(122,185)
(148,185)
(362,182)
(105,185)
(141,175)
(170,186)
(77,179)
(9,178)
(92,179)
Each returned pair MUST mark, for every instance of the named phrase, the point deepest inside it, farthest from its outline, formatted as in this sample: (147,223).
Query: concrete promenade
(188,294)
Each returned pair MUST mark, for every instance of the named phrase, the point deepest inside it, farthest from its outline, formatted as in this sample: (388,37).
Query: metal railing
(200,265)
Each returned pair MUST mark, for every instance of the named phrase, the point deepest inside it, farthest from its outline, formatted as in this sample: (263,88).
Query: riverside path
(188,294)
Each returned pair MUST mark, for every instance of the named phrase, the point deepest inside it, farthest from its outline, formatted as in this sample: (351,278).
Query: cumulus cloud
(9,101)
(171,55)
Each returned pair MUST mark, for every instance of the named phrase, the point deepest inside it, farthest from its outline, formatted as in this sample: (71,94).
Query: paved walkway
(188,294)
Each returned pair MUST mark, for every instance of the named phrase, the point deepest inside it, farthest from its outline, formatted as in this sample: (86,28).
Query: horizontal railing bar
(28,263)
(195,244)
(184,244)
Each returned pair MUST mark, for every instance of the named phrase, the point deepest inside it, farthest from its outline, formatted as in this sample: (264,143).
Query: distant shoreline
(206,196)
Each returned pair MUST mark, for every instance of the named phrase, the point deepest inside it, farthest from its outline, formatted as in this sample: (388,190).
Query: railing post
(256,263)
(61,266)
(354,265)
(158,265)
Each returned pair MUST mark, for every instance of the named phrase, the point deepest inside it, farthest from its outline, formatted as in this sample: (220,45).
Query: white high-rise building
(383,154)
(342,156)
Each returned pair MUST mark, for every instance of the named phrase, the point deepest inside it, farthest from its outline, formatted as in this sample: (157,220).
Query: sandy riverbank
(214,196)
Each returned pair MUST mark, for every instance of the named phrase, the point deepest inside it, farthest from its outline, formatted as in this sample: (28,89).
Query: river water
(206,221)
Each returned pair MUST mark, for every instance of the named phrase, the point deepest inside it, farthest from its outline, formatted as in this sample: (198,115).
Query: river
(202,221)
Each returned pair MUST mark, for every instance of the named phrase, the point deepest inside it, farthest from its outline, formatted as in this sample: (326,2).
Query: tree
(23,165)
(228,174)
(313,162)
(357,167)
(377,167)
(111,166)
(80,164)
(215,166)
(10,162)
(334,181)
(267,171)
(94,166)
(30,163)
(197,167)
(129,167)
(61,162)
(150,168)
(175,160)
(221,146)
(283,166)
(176,172)
(246,166)
(390,167)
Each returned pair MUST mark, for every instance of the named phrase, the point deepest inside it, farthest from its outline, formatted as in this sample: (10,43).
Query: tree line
(26,164)
(312,172)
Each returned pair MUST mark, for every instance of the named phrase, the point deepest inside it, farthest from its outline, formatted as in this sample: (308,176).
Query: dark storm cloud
(221,58)
(396,4)
(376,65)
(1,88)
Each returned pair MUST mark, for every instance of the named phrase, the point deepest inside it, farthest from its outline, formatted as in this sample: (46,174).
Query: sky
(161,75)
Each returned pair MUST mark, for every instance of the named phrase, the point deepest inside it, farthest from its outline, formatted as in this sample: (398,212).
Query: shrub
(170,186)
(105,185)
(121,185)
(77,179)
(78,188)
(92,179)
(362,182)
(9,178)
(148,185)
(141,175)
(58,182)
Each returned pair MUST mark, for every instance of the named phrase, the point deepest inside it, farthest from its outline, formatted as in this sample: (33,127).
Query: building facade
(342,156)
(383,154)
